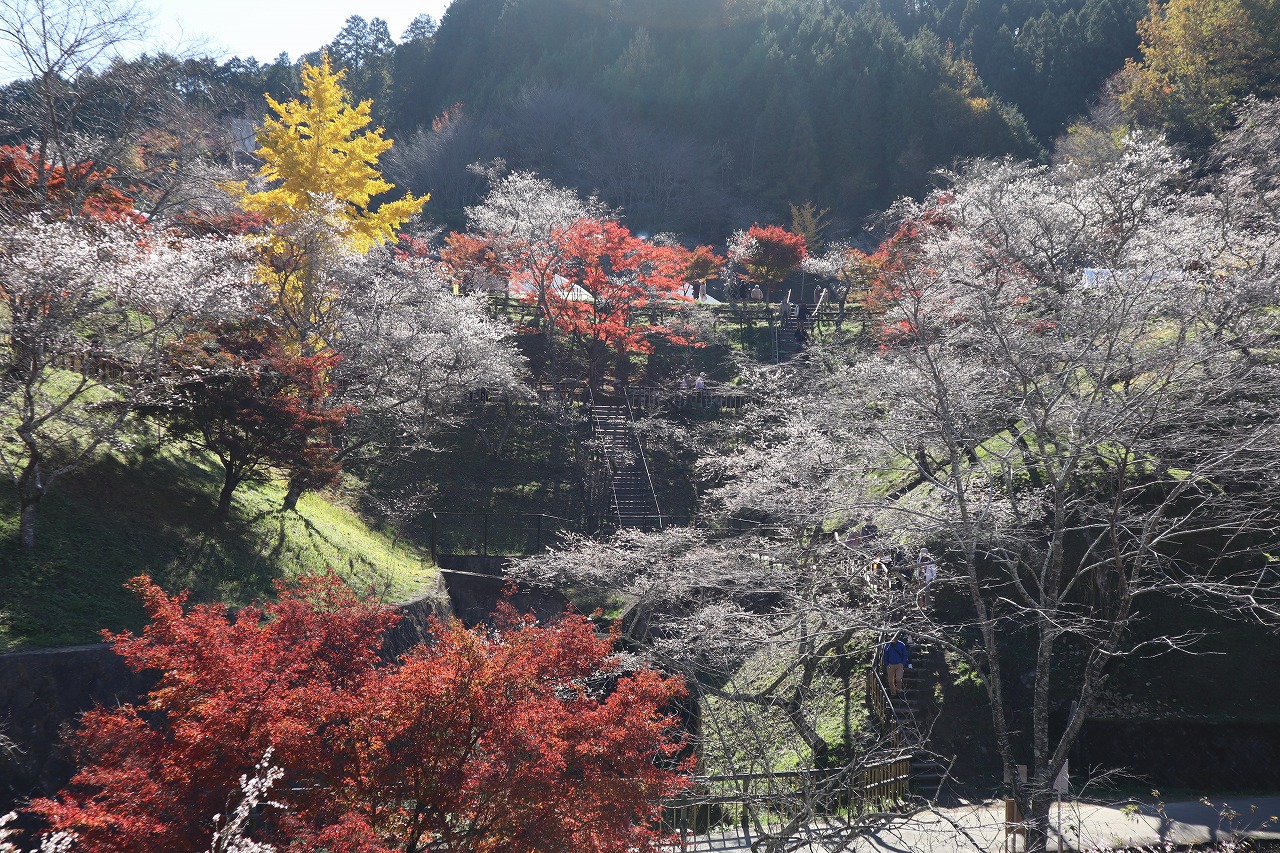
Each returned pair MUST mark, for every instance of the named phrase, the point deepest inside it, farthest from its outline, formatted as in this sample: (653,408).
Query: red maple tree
(702,264)
(620,281)
(882,274)
(592,281)
(527,739)
(31,186)
(239,391)
(768,254)
(467,261)
(206,224)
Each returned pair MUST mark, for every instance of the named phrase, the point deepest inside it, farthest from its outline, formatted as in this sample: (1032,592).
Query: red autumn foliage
(236,223)
(30,186)
(476,742)
(442,122)
(770,254)
(624,275)
(703,264)
(470,262)
(592,280)
(882,272)
(625,280)
(238,391)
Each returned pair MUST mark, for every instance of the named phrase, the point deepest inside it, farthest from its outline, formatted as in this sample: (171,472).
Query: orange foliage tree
(30,186)
(527,739)
(592,281)
(624,284)
(767,255)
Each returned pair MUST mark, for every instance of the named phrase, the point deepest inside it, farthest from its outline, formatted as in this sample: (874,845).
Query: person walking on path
(897,657)
(928,566)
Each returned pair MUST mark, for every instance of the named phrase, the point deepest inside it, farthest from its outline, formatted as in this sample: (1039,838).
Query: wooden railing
(94,365)
(880,705)
(647,398)
(738,803)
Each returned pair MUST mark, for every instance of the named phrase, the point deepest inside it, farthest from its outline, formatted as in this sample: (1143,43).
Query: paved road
(1086,826)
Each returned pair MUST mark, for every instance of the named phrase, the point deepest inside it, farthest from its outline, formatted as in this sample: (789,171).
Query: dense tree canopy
(781,101)
(1198,58)
(527,740)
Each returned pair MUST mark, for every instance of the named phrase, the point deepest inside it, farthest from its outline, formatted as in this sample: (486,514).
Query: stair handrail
(613,489)
(881,703)
(890,713)
(644,461)
(777,351)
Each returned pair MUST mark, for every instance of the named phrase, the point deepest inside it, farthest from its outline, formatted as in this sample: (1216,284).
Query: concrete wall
(42,693)
(1203,755)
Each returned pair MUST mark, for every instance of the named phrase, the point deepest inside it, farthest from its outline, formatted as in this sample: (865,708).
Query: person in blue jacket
(897,656)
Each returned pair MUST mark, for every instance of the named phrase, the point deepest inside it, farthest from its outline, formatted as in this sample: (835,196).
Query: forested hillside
(768,103)
(849,103)
(671,109)
(698,116)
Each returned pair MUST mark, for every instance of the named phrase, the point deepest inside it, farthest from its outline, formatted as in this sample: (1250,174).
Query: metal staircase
(633,500)
(786,344)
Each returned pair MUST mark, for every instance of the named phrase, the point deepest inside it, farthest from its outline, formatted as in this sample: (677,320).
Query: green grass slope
(152,511)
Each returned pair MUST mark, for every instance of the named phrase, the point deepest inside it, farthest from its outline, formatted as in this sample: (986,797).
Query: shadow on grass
(117,518)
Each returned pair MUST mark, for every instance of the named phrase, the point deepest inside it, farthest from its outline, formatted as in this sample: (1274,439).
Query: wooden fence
(648,398)
(93,365)
(737,804)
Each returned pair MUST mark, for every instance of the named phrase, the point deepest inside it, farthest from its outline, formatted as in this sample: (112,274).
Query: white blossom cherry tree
(1070,401)
(85,311)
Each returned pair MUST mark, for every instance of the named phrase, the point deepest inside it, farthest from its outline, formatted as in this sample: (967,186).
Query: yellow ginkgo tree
(320,189)
(316,152)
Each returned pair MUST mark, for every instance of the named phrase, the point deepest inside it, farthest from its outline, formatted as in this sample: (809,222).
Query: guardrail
(648,398)
(644,460)
(489,534)
(563,393)
(881,705)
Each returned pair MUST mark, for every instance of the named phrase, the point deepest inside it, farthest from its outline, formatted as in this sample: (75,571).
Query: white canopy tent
(564,288)
(705,298)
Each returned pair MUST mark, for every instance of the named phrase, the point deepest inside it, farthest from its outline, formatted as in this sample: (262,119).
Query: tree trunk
(622,366)
(508,409)
(597,364)
(1037,823)
(31,490)
(290,503)
(27,524)
(229,483)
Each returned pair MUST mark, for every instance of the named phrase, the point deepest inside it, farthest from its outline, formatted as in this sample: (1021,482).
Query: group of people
(892,567)
(695,393)
(900,571)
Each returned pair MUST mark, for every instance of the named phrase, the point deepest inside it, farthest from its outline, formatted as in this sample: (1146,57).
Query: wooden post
(434,552)
(1013,815)
(1011,818)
